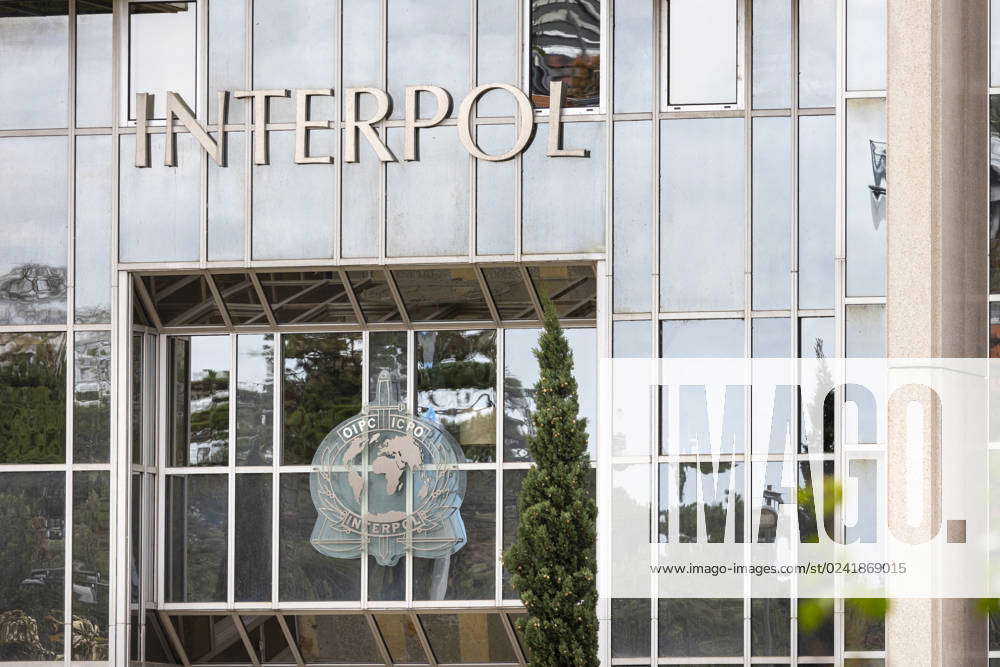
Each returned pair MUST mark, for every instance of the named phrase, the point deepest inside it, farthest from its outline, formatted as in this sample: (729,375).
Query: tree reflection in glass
(33,396)
(200,400)
(254,400)
(91,549)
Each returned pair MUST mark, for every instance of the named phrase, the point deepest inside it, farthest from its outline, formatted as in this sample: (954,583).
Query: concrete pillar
(937,214)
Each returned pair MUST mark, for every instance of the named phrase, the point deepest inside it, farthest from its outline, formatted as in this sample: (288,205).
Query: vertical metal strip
(501,364)
(201,109)
(248,136)
(231,475)
(276,454)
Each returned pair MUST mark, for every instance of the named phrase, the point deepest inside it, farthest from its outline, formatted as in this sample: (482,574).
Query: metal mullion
(382,169)
(293,646)
(247,644)
(231,476)
(276,454)
(422,636)
(499,456)
(265,305)
(377,634)
(248,134)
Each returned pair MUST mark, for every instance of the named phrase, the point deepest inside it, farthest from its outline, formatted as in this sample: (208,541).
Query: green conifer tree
(552,561)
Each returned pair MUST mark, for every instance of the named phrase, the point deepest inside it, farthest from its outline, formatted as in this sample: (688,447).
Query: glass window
(434,189)
(162,48)
(94,192)
(239,297)
(633,219)
(33,514)
(456,383)
(702,214)
(994,43)
(572,289)
(510,293)
(182,299)
(864,624)
(226,189)
(817,53)
(630,628)
(496,42)
(322,387)
(702,52)
(226,57)
(306,296)
(815,635)
(413,25)
(995,186)
(199,400)
(334,637)
(521,375)
(564,198)
(91,396)
(362,28)
(495,186)
(817,210)
(304,573)
(387,352)
(374,296)
(252,557)
(565,45)
(279,61)
(866,44)
(33,396)
(442,294)
(34,73)
(468,638)
(196,563)
(468,574)
(770,625)
(91,554)
(254,399)
(771,406)
(817,341)
(94,78)
(401,638)
(866,197)
(512,481)
(33,179)
(700,627)
(722,493)
(772,47)
(361,187)
(633,56)
(159,211)
(772,213)
(702,339)
(866,331)
(284,191)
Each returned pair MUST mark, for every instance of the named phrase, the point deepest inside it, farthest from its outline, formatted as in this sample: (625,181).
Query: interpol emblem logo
(388,480)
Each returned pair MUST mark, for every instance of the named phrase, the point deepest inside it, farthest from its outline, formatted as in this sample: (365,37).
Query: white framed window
(565,41)
(702,54)
(161,52)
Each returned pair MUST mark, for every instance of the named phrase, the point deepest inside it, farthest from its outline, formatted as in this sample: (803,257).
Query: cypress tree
(552,561)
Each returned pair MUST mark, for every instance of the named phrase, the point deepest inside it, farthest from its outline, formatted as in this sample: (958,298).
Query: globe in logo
(388,482)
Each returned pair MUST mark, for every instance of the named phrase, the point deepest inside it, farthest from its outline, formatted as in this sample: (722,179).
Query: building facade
(224,221)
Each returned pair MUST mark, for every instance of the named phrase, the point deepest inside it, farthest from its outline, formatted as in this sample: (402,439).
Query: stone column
(937,215)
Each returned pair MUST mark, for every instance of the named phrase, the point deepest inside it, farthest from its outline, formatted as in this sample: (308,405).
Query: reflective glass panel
(195,563)
(816,627)
(94,78)
(495,191)
(34,72)
(91,554)
(772,46)
(702,52)
(564,199)
(33,512)
(456,383)
(565,46)
(159,211)
(33,396)
(696,627)
(633,56)
(630,628)
(254,399)
(294,205)
(866,44)
(512,481)
(252,556)
(866,197)
(91,396)
(722,493)
(279,30)
(361,188)
(633,220)
(521,375)
(226,189)
(374,295)
(468,574)
(866,331)
(864,625)
(94,191)
(770,625)
(817,341)
(163,54)
(322,387)
(199,400)
(772,213)
(702,214)
(817,53)
(401,638)
(304,573)
(496,42)
(817,210)
(427,208)
(387,352)
(442,294)
(334,638)
(239,297)
(702,339)
(308,297)
(995,182)
(468,638)
(510,293)
(413,25)
(771,406)
(226,44)
(572,289)
(33,218)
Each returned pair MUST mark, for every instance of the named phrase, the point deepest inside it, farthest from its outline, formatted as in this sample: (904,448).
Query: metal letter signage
(388,481)
(351,125)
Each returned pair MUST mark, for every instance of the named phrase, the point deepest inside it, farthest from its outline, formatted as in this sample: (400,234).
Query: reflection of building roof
(33,282)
